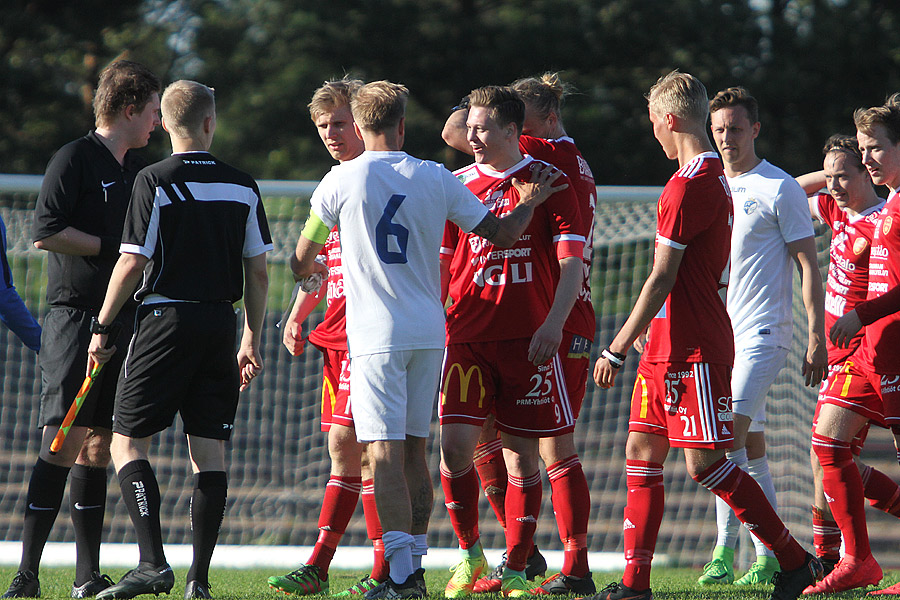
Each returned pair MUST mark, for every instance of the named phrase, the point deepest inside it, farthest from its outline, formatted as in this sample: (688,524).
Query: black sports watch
(99,329)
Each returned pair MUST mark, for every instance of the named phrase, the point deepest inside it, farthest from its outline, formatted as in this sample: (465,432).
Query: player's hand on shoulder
(541,186)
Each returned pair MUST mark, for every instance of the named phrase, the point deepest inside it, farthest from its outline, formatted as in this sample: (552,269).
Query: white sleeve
(792,211)
(464,208)
(324,201)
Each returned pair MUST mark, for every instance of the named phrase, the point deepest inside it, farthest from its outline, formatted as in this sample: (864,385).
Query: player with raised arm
(544,138)
(871,374)
(196,239)
(682,396)
(504,331)
(13,311)
(772,231)
(350,474)
(392,209)
(851,209)
(78,219)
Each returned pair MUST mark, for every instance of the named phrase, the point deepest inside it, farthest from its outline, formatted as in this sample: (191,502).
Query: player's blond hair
(736,96)
(887,115)
(379,105)
(185,105)
(123,83)
(680,94)
(332,95)
(544,94)
(504,104)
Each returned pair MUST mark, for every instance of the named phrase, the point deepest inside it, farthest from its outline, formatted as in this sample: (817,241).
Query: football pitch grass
(228,584)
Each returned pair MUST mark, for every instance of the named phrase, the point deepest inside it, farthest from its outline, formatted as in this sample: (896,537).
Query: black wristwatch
(97,328)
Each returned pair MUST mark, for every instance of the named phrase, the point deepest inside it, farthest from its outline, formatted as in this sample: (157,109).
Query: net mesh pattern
(278,461)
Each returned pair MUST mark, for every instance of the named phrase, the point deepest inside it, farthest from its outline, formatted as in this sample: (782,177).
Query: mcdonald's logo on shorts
(465,378)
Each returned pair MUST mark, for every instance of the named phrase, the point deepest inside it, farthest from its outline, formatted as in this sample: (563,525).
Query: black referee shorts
(181,360)
(63,361)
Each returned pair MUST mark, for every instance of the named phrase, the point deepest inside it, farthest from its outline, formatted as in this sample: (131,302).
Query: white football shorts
(755,370)
(394,393)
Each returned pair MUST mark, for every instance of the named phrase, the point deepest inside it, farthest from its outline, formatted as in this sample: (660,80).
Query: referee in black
(78,219)
(197,231)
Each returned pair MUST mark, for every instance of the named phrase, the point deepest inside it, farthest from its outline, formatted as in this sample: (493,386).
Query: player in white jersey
(391,209)
(772,229)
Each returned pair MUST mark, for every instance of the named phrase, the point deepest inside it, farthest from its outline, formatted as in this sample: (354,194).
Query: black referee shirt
(196,218)
(84,187)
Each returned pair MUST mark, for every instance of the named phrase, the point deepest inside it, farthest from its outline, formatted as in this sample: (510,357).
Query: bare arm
(545,341)
(303,260)
(812,182)
(454,133)
(303,305)
(445,281)
(125,277)
(73,241)
(651,299)
(256,287)
(815,363)
(505,232)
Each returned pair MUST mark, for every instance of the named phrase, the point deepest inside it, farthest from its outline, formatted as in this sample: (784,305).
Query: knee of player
(95,450)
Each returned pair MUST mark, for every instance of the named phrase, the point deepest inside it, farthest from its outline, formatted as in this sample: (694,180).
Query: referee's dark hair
(123,83)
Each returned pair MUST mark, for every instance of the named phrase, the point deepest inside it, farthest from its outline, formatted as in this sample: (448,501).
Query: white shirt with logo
(770,211)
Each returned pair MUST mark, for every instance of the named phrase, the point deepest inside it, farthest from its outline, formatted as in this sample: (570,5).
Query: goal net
(278,457)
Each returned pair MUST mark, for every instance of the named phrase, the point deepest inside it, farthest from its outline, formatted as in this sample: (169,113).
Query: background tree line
(809,62)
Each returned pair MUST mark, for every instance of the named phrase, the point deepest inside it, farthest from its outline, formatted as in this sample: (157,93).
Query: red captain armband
(615,359)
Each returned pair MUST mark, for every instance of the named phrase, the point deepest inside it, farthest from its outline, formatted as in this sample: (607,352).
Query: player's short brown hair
(887,115)
(545,95)
(844,144)
(185,105)
(681,94)
(333,94)
(121,84)
(736,96)
(504,104)
(379,105)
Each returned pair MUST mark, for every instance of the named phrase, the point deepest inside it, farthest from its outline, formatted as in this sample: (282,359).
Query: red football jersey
(848,267)
(332,331)
(563,154)
(881,347)
(506,293)
(695,214)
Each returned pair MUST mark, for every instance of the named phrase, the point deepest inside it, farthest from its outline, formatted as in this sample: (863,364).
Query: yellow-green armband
(315,230)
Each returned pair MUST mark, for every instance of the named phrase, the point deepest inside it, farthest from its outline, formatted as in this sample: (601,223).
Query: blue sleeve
(16,316)
(13,311)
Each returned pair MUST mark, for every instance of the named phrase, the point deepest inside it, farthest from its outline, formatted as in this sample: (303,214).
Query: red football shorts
(336,389)
(864,392)
(690,403)
(527,400)
(575,354)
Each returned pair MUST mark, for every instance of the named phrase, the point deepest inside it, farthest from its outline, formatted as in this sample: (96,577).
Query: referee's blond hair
(185,105)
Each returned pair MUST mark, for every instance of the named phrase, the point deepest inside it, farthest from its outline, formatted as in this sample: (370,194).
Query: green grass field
(251,584)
